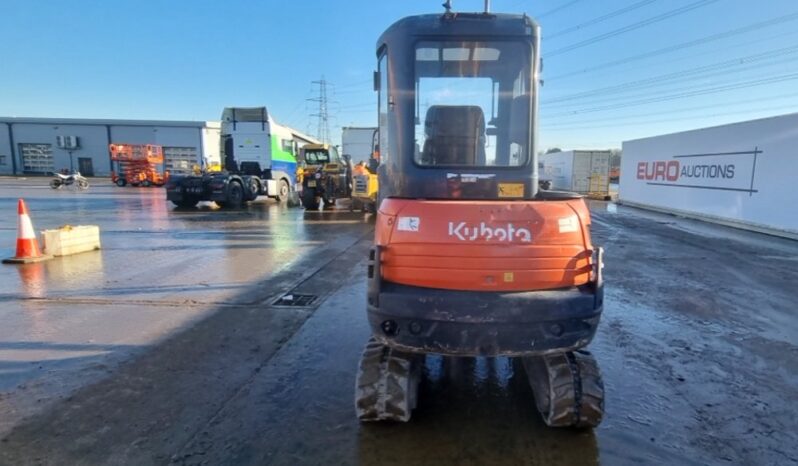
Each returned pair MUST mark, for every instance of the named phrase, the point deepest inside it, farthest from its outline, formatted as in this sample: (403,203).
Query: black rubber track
(569,391)
(387,384)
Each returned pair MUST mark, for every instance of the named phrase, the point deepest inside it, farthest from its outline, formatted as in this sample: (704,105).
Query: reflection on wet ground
(475,411)
(153,250)
(300,408)
(160,269)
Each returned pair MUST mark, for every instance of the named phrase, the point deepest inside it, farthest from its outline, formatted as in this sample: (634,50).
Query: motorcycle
(74,178)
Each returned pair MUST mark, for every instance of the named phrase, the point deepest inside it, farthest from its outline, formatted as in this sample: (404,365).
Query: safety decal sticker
(511,189)
(408,224)
(569,224)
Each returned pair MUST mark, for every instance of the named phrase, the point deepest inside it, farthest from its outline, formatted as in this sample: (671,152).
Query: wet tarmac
(698,346)
(70,320)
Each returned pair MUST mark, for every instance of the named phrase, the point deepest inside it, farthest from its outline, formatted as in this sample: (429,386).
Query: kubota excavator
(471,258)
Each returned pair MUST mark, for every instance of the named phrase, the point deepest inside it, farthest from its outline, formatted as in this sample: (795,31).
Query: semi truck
(258,159)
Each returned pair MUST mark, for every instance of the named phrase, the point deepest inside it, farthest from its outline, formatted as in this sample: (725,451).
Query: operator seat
(455,135)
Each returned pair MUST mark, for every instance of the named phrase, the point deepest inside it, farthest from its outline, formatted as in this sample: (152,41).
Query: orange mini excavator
(471,258)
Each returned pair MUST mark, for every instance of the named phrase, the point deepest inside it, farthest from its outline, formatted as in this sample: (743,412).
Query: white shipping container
(580,171)
(356,142)
(741,174)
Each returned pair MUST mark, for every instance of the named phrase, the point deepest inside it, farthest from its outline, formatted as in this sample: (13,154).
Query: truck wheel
(254,189)
(186,203)
(121,182)
(283,191)
(293,199)
(235,195)
(309,200)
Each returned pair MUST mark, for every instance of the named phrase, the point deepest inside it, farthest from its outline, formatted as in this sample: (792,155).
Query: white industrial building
(31,146)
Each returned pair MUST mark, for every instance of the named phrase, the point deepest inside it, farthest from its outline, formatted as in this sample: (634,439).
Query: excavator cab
(471,258)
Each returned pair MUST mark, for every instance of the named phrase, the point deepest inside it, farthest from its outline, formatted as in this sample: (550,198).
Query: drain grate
(296,300)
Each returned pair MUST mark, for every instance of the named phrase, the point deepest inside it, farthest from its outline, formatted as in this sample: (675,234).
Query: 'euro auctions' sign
(731,171)
(741,174)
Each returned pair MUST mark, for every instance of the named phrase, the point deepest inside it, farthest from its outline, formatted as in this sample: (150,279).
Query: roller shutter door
(37,158)
(180,160)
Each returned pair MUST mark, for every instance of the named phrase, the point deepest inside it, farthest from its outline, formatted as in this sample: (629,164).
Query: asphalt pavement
(168,346)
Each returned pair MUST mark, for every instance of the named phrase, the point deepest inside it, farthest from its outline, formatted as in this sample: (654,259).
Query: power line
(708,52)
(699,72)
(352,91)
(711,90)
(667,120)
(684,45)
(631,27)
(556,9)
(293,113)
(635,117)
(358,112)
(352,84)
(369,104)
(689,88)
(601,18)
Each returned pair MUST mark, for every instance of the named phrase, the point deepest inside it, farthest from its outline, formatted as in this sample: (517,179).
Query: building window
(2,159)
(37,158)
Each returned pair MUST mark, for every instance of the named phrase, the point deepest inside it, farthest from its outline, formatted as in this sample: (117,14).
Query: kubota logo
(465,232)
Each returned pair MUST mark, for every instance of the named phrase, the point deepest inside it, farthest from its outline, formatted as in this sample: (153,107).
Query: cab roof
(459,25)
(316,147)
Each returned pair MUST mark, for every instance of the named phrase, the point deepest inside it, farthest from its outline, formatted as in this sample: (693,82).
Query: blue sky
(189,59)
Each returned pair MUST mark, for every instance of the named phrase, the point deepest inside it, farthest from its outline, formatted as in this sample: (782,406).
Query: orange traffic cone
(27,245)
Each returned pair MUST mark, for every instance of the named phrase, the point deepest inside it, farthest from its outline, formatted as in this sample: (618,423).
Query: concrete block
(69,240)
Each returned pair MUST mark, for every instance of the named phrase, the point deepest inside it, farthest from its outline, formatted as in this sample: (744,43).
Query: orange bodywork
(485,245)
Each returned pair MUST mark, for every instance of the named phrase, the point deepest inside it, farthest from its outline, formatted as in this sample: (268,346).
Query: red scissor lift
(138,165)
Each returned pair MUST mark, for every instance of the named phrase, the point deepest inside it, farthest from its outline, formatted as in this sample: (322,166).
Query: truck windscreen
(316,157)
